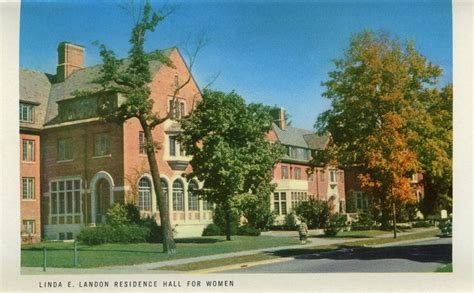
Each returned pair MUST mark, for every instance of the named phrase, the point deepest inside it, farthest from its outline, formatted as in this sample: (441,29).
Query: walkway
(149,268)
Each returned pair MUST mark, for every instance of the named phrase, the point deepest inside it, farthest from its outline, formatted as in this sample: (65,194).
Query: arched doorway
(102,197)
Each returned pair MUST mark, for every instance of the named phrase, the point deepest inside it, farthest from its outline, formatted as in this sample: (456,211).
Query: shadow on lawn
(419,253)
(198,240)
(341,236)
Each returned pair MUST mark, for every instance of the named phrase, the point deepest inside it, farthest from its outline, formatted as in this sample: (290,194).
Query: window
(175,147)
(65,204)
(297,173)
(276,203)
(144,195)
(29,227)
(177,108)
(361,201)
(297,198)
(28,188)
(206,205)
(176,80)
(178,196)
(321,175)
(332,176)
(293,152)
(283,202)
(65,151)
(141,143)
(28,150)
(193,200)
(284,172)
(306,154)
(26,113)
(102,145)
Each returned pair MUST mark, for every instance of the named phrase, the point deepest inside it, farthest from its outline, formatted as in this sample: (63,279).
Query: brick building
(87,165)
(296,180)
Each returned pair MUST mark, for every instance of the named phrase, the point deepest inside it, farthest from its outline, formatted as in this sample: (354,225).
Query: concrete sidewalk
(149,268)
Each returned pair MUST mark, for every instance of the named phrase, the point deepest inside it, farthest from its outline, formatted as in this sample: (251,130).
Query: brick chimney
(70,58)
(278,115)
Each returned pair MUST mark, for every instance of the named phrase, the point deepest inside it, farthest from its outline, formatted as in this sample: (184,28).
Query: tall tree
(226,139)
(130,80)
(382,86)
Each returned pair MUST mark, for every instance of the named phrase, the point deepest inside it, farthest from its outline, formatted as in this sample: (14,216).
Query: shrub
(133,213)
(314,212)
(155,232)
(256,209)
(219,218)
(248,230)
(335,224)
(421,224)
(117,215)
(212,230)
(446,227)
(366,219)
(290,222)
(110,234)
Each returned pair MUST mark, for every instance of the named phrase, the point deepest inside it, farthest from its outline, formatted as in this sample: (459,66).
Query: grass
(378,241)
(61,254)
(445,269)
(358,234)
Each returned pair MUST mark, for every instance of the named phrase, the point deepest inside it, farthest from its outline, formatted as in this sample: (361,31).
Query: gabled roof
(298,137)
(35,88)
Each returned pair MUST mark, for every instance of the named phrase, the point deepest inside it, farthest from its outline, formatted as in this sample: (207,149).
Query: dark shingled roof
(301,137)
(35,88)
(81,79)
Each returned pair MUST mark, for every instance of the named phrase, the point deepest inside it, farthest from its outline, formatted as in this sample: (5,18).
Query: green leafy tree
(226,139)
(129,81)
(384,105)
(314,212)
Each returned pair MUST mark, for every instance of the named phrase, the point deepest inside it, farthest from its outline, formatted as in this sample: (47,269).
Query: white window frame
(27,113)
(144,195)
(28,188)
(180,108)
(178,196)
(28,150)
(286,174)
(193,199)
(141,143)
(70,186)
(28,227)
(333,176)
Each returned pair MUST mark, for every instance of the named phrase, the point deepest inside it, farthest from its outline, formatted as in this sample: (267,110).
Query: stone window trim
(178,195)
(193,200)
(65,199)
(180,107)
(279,203)
(285,174)
(144,194)
(141,143)
(174,147)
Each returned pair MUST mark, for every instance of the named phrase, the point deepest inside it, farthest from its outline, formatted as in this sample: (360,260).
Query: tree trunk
(169,246)
(228,222)
(394,210)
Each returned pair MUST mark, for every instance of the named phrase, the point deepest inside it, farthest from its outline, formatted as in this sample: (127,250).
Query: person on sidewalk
(303,231)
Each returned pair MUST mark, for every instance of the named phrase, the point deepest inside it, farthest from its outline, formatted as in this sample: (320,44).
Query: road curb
(241,265)
(403,242)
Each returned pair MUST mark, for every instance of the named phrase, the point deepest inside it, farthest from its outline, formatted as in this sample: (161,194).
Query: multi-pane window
(206,205)
(361,201)
(27,113)
(178,196)
(28,188)
(65,204)
(29,227)
(65,149)
(279,203)
(193,200)
(144,195)
(28,150)
(284,172)
(102,145)
(177,108)
(141,143)
(297,197)
(297,173)
(175,147)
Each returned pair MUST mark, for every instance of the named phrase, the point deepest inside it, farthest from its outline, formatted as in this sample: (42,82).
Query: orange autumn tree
(390,163)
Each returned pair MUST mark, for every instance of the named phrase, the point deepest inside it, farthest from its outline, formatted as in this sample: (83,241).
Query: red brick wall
(84,163)
(30,208)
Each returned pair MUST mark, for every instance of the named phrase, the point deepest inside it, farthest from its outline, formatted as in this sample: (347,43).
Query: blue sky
(272,52)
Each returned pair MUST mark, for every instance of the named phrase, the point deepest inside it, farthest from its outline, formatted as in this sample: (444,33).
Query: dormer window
(27,112)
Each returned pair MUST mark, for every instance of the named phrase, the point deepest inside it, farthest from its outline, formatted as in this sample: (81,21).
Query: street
(423,256)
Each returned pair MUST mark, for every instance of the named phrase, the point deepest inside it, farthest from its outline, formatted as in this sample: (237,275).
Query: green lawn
(61,254)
